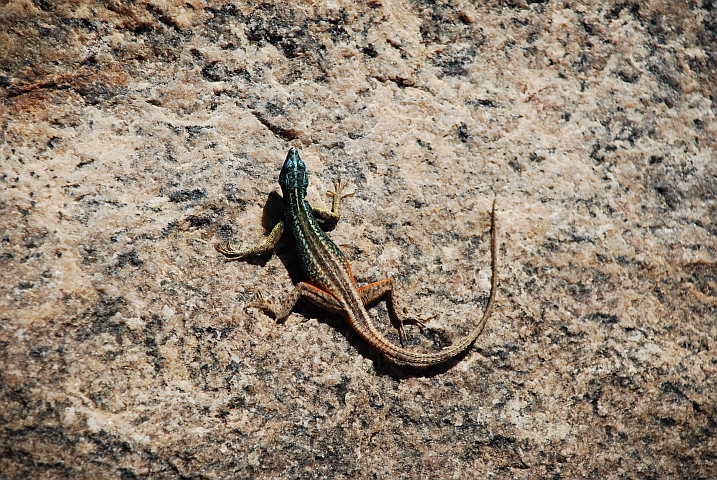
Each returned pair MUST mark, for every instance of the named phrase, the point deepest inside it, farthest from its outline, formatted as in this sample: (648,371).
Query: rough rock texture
(134,134)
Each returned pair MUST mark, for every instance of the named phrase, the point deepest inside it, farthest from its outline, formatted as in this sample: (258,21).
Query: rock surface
(133,135)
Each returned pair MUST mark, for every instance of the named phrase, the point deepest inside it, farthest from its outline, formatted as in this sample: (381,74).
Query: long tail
(368,330)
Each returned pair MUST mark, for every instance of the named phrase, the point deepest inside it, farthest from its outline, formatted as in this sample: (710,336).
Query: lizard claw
(261,304)
(338,188)
(420,322)
(268,307)
(227,249)
(413,321)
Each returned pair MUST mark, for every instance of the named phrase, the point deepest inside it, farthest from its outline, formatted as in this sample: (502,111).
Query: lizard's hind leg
(373,292)
(314,295)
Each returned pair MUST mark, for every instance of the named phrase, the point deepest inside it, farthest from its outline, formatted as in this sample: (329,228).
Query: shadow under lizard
(329,281)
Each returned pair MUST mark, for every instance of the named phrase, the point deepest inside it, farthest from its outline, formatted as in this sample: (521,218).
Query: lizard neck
(300,217)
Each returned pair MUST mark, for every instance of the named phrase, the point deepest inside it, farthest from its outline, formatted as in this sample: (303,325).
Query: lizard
(329,282)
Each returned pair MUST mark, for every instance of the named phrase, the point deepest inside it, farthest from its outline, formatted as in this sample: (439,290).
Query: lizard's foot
(421,324)
(225,248)
(338,188)
(266,306)
(409,320)
(270,308)
(228,250)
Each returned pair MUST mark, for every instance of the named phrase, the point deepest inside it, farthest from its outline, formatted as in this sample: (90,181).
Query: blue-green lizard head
(293,174)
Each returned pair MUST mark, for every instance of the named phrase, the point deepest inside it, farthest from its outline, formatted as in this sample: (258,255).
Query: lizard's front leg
(266,247)
(334,215)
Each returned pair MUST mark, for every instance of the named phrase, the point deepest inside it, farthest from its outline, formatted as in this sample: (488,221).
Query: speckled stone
(134,135)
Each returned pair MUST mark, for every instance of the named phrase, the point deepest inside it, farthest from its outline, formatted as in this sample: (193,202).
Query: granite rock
(134,135)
